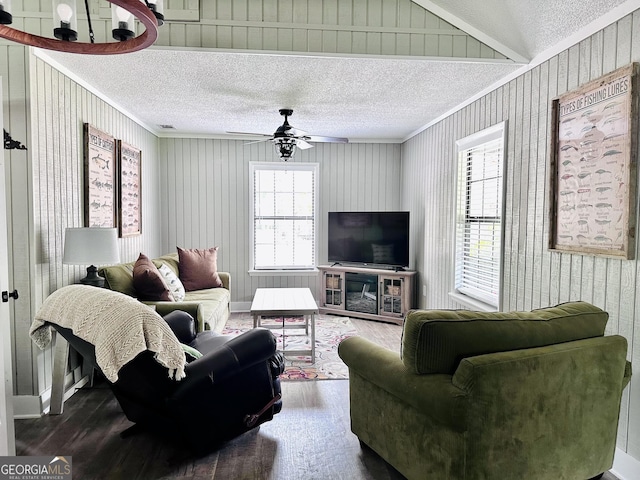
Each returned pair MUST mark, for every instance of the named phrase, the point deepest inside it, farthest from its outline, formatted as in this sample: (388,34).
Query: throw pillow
(198,268)
(148,281)
(173,282)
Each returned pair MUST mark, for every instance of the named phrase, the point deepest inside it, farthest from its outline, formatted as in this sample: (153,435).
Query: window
(283,216)
(479,233)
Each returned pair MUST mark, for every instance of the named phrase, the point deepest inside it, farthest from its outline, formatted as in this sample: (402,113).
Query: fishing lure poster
(594,167)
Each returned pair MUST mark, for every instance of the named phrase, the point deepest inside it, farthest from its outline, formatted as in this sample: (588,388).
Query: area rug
(330,331)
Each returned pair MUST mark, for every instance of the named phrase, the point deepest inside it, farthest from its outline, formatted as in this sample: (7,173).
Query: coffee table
(281,302)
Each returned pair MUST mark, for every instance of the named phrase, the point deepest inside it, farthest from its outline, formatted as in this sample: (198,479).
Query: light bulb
(123,14)
(122,22)
(65,12)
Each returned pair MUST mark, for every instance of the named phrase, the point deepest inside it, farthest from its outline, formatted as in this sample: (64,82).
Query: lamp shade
(90,246)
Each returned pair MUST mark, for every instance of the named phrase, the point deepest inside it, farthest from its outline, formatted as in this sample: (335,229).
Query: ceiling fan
(286,138)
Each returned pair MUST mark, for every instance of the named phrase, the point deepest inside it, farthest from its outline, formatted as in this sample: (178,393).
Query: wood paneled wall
(14,69)
(205,197)
(533,276)
(374,27)
(53,194)
(369,27)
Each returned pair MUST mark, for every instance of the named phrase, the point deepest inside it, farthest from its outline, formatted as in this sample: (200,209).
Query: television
(369,238)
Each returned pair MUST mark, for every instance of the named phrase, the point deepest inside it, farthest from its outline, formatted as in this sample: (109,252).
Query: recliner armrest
(239,353)
(182,324)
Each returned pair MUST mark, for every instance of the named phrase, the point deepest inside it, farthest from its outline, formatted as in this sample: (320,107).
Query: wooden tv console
(369,293)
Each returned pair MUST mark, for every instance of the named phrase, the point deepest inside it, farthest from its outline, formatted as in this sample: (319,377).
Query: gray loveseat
(210,307)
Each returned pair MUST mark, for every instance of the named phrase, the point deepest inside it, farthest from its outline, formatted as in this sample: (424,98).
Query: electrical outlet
(424,290)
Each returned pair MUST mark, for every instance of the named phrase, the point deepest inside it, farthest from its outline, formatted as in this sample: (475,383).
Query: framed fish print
(593,167)
(99,178)
(129,181)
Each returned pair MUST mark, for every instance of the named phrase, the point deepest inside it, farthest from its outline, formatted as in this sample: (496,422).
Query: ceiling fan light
(5,12)
(65,20)
(285,147)
(122,23)
(157,7)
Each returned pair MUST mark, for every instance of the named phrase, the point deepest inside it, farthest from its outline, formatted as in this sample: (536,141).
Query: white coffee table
(281,302)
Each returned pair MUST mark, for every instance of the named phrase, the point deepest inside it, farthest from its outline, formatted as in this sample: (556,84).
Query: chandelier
(285,147)
(65,31)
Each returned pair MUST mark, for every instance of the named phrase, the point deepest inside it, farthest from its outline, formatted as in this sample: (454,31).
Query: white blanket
(119,326)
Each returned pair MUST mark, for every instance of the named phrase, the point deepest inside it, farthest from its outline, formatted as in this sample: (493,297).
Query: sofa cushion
(148,281)
(170,260)
(199,268)
(119,278)
(435,341)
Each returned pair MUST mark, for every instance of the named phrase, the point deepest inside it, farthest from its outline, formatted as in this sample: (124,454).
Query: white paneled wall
(59,108)
(533,276)
(205,197)
(369,27)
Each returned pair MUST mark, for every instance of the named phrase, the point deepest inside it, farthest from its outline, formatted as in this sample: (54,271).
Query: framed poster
(99,178)
(593,167)
(129,181)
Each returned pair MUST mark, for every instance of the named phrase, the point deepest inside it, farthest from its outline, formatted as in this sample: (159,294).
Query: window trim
(486,135)
(253,167)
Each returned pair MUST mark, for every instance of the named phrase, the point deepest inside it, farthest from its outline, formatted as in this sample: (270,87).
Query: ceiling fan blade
(302,145)
(257,141)
(295,132)
(251,133)
(316,138)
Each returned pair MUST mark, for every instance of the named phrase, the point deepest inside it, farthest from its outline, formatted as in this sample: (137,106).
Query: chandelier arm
(92,37)
(137,8)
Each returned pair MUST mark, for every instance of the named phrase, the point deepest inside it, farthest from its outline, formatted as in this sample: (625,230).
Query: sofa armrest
(225,277)
(433,395)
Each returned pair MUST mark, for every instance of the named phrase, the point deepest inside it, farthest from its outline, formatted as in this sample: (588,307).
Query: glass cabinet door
(333,289)
(391,298)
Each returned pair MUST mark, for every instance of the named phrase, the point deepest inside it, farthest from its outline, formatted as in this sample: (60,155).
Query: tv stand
(368,293)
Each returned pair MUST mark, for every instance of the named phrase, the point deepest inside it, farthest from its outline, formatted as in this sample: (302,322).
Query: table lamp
(88,246)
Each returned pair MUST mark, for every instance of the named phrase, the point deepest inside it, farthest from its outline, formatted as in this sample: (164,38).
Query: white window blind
(479,217)
(283,215)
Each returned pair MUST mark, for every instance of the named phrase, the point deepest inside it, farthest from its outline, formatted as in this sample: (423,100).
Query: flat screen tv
(369,238)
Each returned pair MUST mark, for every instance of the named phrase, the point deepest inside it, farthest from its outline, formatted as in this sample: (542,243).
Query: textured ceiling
(528,26)
(210,93)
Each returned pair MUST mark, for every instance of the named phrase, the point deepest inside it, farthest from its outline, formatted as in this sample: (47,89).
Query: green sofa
(210,307)
(477,395)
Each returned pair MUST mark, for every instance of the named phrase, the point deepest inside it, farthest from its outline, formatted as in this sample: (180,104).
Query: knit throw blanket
(119,326)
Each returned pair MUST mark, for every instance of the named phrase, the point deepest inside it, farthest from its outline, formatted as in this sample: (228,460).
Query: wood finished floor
(309,439)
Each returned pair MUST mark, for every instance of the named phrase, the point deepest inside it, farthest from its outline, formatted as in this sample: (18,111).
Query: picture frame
(129,183)
(99,178)
(593,167)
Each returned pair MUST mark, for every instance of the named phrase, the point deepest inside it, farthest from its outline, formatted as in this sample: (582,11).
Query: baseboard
(625,467)
(34,406)
(239,307)
(27,406)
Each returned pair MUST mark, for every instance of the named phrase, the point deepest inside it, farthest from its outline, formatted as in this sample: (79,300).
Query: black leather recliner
(232,388)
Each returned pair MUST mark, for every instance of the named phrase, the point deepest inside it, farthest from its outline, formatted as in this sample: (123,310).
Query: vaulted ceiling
(362,69)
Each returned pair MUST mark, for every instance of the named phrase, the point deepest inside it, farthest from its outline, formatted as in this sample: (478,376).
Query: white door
(7,434)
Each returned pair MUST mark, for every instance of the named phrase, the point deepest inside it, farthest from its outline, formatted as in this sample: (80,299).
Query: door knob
(6,295)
